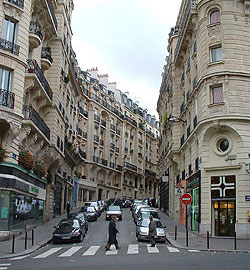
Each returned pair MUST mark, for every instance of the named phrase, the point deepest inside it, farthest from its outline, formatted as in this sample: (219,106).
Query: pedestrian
(68,209)
(112,234)
(152,231)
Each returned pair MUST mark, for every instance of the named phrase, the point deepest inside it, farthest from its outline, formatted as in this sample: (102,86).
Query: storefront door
(224,218)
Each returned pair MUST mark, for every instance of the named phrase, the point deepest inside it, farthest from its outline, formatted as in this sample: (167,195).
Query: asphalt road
(91,254)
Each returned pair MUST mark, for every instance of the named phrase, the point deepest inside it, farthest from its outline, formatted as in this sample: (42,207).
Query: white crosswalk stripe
(19,258)
(48,253)
(70,252)
(133,249)
(4,266)
(172,249)
(112,252)
(91,251)
(152,249)
(193,250)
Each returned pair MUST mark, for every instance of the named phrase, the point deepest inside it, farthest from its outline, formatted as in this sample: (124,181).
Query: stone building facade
(204,117)
(61,129)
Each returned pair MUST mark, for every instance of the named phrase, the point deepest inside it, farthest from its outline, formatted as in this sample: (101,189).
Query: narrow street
(91,254)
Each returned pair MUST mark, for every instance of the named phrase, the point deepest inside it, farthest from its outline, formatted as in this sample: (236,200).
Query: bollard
(235,241)
(13,243)
(32,237)
(207,239)
(25,241)
(175,233)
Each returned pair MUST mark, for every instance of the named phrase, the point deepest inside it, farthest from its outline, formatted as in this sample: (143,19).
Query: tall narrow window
(215,16)
(9,30)
(216,54)
(5,79)
(216,94)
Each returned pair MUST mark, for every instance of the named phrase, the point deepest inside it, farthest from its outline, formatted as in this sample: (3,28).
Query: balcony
(83,112)
(35,35)
(52,13)
(101,142)
(46,58)
(95,159)
(149,172)
(84,134)
(130,166)
(141,126)
(140,141)
(96,138)
(97,118)
(130,120)
(31,114)
(117,150)
(33,68)
(70,152)
(150,133)
(9,46)
(103,123)
(119,168)
(188,131)
(17,3)
(82,154)
(116,185)
(112,165)
(7,98)
(112,146)
(112,127)
(104,162)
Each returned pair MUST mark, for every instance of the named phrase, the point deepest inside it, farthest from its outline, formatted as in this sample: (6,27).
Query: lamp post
(172,119)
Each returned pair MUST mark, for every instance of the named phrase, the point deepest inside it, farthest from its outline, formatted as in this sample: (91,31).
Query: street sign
(186,198)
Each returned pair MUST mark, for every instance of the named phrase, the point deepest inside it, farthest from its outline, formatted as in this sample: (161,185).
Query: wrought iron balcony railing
(18,3)
(119,168)
(112,146)
(82,154)
(7,98)
(52,12)
(9,46)
(36,29)
(31,114)
(33,67)
(195,121)
(131,166)
(118,132)
(84,134)
(103,123)
(46,54)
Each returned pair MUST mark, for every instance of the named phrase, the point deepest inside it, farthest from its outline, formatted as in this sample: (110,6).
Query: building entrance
(224,218)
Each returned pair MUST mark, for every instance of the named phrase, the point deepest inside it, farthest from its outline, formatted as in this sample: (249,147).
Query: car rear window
(114,208)
(69,223)
(146,214)
(91,209)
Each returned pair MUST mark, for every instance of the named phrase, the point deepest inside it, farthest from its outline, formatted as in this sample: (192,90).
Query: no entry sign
(186,198)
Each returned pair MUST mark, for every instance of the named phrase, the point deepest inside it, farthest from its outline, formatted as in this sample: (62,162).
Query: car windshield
(94,204)
(146,214)
(81,216)
(145,223)
(114,208)
(91,209)
(69,223)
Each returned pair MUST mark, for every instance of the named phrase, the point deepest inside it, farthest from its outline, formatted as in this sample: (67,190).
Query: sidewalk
(197,242)
(42,235)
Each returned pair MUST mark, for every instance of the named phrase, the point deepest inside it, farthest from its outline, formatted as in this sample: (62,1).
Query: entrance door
(224,217)
(99,194)
(58,196)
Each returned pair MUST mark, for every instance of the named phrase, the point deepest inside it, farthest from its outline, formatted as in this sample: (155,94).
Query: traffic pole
(186,227)
(25,241)
(235,241)
(32,238)
(175,233)
(13,243)
(207,239)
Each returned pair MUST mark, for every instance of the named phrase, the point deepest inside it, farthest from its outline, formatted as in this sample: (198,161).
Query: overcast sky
(126,39)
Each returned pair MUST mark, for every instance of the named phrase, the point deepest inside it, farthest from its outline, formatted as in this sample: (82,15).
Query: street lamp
(176,119)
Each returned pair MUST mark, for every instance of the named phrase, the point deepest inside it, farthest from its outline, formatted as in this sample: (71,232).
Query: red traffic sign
(186,198)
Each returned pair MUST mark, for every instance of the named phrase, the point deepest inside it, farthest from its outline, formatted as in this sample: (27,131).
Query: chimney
(93,73)
(103,79)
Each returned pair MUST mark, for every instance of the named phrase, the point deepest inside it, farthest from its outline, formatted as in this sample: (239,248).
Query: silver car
(142,230)
(113,210)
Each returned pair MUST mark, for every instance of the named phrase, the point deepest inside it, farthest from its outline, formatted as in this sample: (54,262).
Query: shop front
(223,195)
(193,187)
(22,198)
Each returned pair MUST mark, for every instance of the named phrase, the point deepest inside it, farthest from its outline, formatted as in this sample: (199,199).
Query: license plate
(66,237)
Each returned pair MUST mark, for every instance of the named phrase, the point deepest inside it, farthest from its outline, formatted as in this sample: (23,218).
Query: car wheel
(81,238)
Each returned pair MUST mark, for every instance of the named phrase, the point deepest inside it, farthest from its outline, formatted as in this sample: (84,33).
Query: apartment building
(204,117)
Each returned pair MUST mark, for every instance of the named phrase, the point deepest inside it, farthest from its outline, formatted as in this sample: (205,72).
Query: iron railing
(119,168)
(46,54)
(33,67)
(195,121)
(31,114)
(52,12)
(130,166)
(82,154)
(103,123)
(95,159)
(7,98)
(36,29)
(9,46)
(18,3)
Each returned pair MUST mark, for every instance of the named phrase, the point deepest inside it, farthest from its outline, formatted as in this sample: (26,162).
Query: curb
(175,244)
(28,251)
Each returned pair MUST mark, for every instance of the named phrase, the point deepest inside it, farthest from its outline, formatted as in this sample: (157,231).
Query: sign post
(186,199)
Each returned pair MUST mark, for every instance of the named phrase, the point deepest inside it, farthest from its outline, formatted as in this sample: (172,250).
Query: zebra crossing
(132,249)
(4,266)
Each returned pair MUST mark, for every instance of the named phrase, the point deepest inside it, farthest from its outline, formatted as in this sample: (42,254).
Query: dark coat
(112,232)
(152,229)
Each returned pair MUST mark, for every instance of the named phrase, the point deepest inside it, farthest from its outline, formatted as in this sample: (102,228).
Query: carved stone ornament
(12,11)
(215,80)
(214,30)
(246,7)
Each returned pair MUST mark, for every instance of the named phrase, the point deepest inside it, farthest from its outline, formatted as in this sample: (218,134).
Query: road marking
(112,252)
(5,264)
(193,250)
(19,258)
(91,251)
(70,252)
(133,249)
(172,249)
(152,249)
(48,253)
(3,268)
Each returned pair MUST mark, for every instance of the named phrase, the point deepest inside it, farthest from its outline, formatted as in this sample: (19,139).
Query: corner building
(204,117)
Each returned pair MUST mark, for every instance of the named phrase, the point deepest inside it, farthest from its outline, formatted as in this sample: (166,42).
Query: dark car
(83,219)
(67,230)
(90,213)
(114,201)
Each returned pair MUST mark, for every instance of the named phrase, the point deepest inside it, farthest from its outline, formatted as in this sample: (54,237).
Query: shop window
(214,17)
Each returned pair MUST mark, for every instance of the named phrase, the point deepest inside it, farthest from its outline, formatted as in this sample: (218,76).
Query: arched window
(215,17)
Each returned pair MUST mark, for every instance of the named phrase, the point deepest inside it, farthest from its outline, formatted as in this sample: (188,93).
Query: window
(216,94)
(214,16)
(5,79)
(216,54)
(9,30)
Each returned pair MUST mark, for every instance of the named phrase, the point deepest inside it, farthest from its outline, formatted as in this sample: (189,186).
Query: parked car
(96,205)
(137,208)
(114,201)
(113,210)
(142,230)
(145,212)
(134,203)
(90,213)
(83,218)
(68,230)
(126,203)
